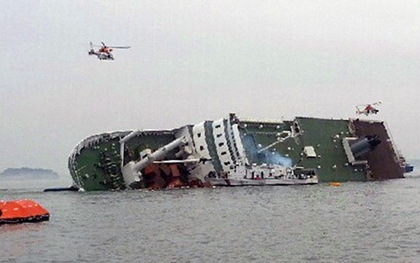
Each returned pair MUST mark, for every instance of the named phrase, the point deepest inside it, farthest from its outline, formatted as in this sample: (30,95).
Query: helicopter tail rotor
(91,50)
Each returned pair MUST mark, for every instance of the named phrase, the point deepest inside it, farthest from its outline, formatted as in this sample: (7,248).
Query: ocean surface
(354,222)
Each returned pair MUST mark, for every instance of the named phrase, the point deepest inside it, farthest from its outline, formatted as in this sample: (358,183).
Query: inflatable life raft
(20,211)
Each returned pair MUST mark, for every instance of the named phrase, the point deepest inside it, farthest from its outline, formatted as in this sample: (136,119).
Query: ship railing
(263,133)
(258,121)
(278,140)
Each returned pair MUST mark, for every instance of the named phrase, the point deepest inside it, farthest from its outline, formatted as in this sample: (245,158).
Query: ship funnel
(364,145)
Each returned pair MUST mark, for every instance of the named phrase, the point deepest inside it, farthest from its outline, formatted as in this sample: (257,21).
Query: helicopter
(367,109)
(104,51)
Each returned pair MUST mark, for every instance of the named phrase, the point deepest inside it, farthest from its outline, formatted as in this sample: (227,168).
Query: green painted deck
(324,135)
(90,167)
(98,166)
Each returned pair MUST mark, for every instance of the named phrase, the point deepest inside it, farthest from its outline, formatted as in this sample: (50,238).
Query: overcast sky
(199,60)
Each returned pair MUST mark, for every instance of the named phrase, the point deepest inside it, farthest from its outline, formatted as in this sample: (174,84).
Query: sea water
(353,222)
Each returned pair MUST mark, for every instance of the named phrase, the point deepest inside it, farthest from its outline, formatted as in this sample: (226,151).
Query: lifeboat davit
(20,211)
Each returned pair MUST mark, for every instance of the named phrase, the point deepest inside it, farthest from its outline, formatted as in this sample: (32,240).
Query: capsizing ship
(234,152)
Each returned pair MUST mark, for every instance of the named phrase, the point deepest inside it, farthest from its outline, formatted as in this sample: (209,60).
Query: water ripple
(356,222)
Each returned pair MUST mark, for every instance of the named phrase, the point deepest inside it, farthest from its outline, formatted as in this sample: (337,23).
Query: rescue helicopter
(367,109)
(104,51)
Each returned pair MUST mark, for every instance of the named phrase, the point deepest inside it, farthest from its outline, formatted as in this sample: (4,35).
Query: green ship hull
(336,150)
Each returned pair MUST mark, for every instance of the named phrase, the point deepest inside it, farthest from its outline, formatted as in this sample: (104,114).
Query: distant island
(28,174)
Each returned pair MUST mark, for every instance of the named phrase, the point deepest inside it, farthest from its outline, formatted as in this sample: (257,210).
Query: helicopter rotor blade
(372,104)
(121,47)
(93,45)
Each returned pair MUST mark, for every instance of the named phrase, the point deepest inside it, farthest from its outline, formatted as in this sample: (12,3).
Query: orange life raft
(19,211)
(334,183)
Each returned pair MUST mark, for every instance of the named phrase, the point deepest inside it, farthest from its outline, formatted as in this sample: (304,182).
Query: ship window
(201,148)
(223,153)
(199,134)
(226,163)
(217,126)
(219,135)
(221,144)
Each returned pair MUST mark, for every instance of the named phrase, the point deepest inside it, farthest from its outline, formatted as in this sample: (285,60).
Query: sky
(192,61)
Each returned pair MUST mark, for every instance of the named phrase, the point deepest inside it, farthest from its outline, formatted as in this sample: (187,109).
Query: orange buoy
(334,183)
(19,211)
